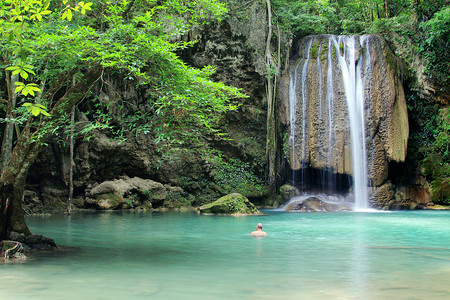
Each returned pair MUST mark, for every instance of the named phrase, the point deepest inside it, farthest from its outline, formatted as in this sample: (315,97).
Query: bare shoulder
(258,233)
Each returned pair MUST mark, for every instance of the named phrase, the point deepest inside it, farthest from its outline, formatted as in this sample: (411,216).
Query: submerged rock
(230,204)
(40,242)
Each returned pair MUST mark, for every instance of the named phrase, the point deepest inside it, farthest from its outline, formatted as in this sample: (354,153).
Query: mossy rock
(231,204)
(287,192)
(109,201)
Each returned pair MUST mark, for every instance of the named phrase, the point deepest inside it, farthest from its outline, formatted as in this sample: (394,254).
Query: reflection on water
(400,255)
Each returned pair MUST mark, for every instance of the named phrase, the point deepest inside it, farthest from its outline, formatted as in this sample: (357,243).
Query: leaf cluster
(17,20)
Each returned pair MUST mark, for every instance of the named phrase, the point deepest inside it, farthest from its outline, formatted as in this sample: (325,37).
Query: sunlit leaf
(35,111)
(69,14)
(23,74)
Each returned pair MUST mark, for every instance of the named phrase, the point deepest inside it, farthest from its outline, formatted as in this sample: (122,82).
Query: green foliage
(423,30)
(233,176)
(17,19)
(26,90)
(443,138)
(68,9)
(437,163)
(304,17)
(132,200)
(438,171)
(176,200)
(137,40)
(430,136)
(36,109)
(184,103)
(435,43)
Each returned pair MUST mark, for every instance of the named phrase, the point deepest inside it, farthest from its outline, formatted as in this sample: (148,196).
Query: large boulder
(233,204)
(287,191)
(313,204)
(132,193)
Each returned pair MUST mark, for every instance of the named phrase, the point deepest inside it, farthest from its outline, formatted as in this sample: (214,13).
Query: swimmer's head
(259,226)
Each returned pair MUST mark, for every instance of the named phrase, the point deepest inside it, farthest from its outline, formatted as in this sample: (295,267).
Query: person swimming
(258,231)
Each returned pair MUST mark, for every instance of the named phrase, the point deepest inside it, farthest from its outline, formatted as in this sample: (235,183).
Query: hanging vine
(273,66)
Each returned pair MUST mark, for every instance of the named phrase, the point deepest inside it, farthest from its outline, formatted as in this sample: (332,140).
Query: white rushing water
(304,104)
(293,109)
(293,104)
(353,86)
(330,101)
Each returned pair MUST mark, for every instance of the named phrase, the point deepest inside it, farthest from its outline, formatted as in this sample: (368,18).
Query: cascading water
(344,59)
(304,106)
(293,109)
(342,89)
(330,101)
(293,105)
(351,72)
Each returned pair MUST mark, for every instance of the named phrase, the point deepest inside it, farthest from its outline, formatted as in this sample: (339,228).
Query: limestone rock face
(383,196)
(230,204)
(412,197)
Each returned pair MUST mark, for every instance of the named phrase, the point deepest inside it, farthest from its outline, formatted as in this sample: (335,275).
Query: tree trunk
(12,183)
(11,214)
(387,8)
(12,179)
(8,134)
(69,199)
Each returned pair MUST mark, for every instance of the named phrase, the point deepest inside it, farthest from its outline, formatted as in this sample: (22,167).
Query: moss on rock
(230,204)
(109,201)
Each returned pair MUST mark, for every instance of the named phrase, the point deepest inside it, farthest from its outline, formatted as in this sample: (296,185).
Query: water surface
(121,255)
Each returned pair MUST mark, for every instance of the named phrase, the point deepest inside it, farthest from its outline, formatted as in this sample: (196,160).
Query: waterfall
(293,105)
(343,55)
(330,101)
(292,112)
(304,106)
(344,110)
(353,86)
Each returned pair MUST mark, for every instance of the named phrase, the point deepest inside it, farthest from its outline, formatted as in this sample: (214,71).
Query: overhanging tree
(58,61)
